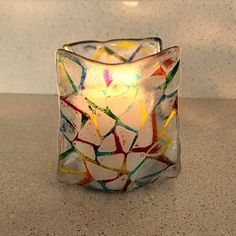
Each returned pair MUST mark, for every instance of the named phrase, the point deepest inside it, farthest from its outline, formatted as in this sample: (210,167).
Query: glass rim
(65,50)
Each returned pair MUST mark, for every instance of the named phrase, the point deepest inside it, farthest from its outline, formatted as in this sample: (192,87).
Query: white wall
(30,32)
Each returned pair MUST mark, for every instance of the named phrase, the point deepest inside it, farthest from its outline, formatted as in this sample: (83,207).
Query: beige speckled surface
(201,201)
(31,31)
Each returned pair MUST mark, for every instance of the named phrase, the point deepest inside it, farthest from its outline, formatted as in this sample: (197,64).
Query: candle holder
(118,113)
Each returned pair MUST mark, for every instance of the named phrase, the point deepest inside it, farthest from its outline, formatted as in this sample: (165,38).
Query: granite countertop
(200,201)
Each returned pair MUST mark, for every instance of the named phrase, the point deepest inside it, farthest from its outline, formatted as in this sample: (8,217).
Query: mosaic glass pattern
(118,113)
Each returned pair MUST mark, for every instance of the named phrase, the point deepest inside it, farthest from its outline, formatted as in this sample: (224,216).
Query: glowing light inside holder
(118,113)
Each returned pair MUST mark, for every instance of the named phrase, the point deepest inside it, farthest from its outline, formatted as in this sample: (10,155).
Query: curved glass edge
(157,39)
(66,49)
(78,57)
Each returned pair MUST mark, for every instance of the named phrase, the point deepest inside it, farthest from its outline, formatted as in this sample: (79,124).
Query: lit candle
(110,136)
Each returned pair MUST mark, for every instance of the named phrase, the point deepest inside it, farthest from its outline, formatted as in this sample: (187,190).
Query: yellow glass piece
(125,44)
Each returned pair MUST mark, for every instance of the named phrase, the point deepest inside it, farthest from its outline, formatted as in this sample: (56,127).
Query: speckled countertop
(201,201)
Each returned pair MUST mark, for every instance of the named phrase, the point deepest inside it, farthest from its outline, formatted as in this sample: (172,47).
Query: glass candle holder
(118,113)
